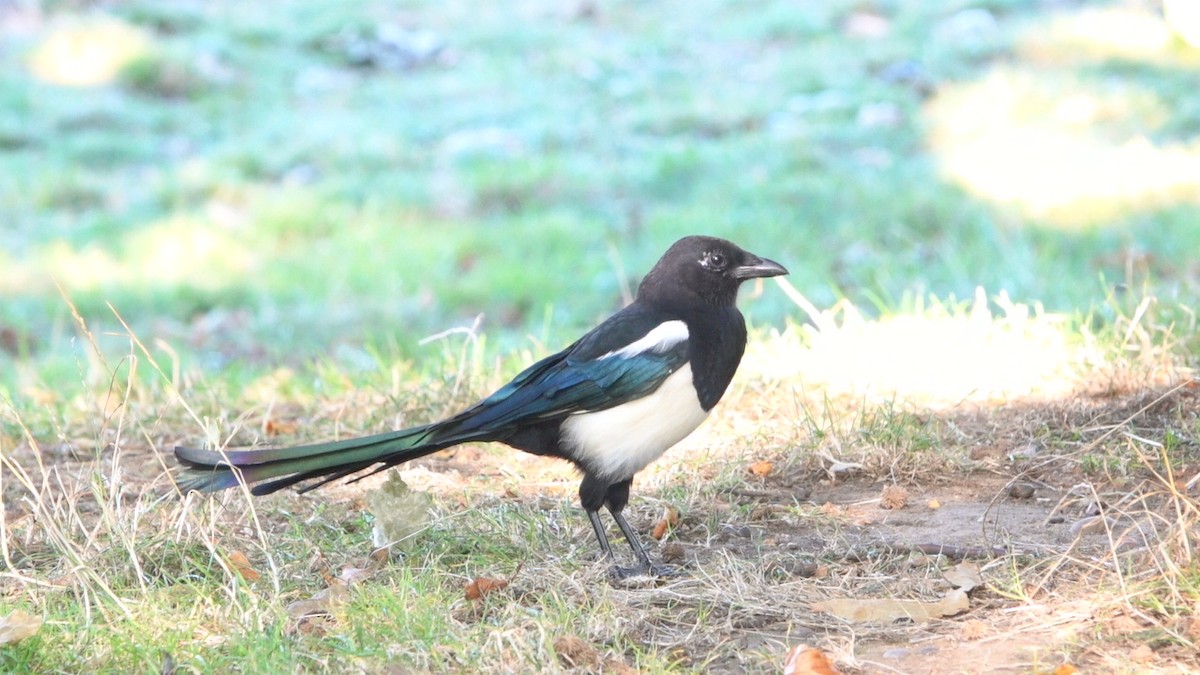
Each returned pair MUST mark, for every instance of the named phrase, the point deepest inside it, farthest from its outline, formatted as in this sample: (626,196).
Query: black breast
(716,342)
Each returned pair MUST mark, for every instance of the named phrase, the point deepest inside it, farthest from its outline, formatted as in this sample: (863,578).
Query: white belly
(618,442)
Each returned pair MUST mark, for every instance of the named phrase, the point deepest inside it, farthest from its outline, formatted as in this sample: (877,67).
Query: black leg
(644,567)
(601,537)
(635,543)
(594,493)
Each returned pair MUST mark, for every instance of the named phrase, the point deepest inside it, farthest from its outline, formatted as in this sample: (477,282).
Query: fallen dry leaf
(964,576)
(353,575)
(18,625)
(888,610)
(320,604)
(275,427)
(934,504)
(805,660)
(1064,669)
(670,519)
(241,565)
(380,556)
(1090,525)
(481,586)
(762,469)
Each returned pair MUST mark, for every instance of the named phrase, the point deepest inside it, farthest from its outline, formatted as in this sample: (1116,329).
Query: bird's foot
(649,570)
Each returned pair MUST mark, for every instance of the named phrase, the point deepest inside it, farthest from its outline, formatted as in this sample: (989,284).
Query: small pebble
(805,569)
(1021,491)
(742,531)
(1089,525)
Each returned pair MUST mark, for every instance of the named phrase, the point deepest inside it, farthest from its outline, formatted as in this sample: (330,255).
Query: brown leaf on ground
(1090,525)
(893,497)
(320,604)
(1064,669)
(964,576)
(888,610)
(353,575)
(670,519)
(274,427)
(241,565)
(761,469)
(934,504)
(805,660)
(18,625)
(574,652)
(481,586)
(380,556)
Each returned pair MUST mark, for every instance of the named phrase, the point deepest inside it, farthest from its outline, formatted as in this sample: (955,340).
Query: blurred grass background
(265,183)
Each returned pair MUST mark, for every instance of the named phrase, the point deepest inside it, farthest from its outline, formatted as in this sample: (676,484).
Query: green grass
(241,161)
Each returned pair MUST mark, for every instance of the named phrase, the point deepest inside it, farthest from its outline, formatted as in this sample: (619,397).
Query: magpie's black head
(704,269)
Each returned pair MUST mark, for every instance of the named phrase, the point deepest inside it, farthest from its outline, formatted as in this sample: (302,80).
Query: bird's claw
(618,573)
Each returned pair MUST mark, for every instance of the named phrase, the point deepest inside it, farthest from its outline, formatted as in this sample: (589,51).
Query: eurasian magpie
(610,403)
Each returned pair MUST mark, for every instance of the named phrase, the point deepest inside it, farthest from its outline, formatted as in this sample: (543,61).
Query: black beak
(756,267)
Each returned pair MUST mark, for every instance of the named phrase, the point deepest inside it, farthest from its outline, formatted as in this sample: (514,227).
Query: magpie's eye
(714,261)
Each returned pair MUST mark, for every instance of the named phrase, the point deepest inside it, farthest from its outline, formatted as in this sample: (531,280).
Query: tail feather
(326,475)
(208,457)
(211,470)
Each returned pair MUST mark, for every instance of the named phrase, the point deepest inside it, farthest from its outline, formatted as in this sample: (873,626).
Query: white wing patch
(661,338)
(622,440)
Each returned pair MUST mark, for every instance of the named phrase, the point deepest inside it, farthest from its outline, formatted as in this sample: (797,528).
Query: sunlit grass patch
(88,52)
(1070,134)
(940,355)
(1107,32)
(1067,149)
